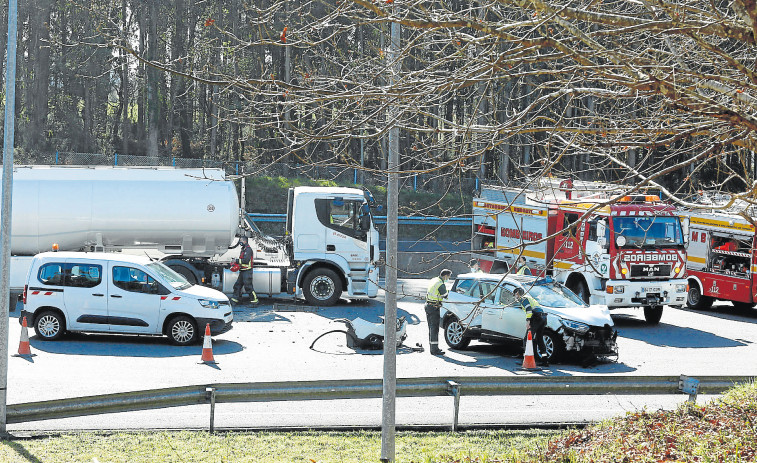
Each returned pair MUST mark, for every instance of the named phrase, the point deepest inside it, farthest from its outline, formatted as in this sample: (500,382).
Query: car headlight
(578,327)
(209,304)
(681,288)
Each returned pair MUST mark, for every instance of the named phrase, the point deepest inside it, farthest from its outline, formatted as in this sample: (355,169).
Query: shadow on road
(669,335)
(728,312)
(510,358)
(113,345)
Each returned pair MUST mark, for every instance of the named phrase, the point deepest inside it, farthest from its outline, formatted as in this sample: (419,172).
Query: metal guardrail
(379,219)
(366,388)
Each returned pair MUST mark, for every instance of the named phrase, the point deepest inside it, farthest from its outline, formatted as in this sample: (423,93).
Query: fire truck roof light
(639,199)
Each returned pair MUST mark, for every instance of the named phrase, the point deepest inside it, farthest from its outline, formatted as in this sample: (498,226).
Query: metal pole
(390,307)
(5,212)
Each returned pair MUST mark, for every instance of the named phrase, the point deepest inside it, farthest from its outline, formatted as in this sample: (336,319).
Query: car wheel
(50,325)
(695,299)
(182,331)
(322,286)
(653,314)
(554,345)
(454,334)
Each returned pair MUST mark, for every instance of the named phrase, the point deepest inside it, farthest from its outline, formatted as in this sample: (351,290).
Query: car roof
(518,280)
(105,256)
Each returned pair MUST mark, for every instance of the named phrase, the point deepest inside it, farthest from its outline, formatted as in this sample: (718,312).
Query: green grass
(724,430)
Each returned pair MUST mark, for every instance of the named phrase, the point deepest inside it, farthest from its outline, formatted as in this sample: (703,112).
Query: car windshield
(554,295)
(647,231)
(174,279)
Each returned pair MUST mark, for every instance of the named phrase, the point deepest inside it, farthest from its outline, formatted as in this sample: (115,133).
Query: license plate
(650,290)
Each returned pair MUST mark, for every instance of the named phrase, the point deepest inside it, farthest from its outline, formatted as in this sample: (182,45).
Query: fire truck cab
(627,254)
(721,259)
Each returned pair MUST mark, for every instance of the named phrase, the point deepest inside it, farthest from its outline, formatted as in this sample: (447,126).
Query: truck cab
(333,243)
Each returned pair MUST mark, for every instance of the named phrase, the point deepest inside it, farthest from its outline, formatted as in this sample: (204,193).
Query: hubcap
(182,331)
(549,346)
(694,296)
(454,333)
(322,287)
(48,326)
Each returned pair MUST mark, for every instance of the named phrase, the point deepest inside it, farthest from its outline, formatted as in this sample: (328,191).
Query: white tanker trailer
(192,217)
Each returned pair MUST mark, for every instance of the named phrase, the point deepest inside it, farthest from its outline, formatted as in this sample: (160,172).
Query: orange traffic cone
(207,347)
(528,360)
(23,345)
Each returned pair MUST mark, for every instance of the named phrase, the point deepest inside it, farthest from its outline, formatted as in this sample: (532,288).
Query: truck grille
(650,270)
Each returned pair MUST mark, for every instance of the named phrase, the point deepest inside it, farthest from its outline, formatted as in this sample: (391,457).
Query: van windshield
(174,279)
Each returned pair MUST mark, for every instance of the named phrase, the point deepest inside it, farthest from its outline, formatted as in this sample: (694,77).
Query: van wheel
(322,286)
(50,325)
(182,331)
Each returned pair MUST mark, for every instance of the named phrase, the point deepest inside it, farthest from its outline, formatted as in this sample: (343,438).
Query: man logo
(211,208)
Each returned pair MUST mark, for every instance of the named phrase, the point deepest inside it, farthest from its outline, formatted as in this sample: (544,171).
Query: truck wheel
(554,345)
(653,314)
(454,334)
(185,272)
(182,331)
(742,306)
(50,325)
(322,286)
(579,287)
(695,299)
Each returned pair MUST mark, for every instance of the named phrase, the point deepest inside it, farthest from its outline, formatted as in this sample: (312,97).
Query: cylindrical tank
(190,212)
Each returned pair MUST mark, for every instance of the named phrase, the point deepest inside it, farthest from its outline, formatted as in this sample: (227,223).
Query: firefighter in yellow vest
(536,320)
(436,292)
(522,267)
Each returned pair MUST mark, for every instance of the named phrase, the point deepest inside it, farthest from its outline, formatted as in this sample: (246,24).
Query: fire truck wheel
(742,306)
(322,286)
(454,334)
(695,299)
(579,287)
(653,314)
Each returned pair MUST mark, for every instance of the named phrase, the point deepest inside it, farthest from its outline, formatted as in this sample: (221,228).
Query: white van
(117,293)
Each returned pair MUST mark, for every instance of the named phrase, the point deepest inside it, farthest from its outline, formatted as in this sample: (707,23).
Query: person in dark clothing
(436,292)
(536,320)
(245,273)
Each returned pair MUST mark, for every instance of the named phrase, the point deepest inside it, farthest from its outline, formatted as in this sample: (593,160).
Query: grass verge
(724,430)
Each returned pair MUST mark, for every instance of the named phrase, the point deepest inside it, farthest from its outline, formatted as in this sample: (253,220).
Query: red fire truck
(721,259)
(628,254)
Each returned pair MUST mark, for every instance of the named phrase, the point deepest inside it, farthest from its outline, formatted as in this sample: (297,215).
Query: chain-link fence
(342,175)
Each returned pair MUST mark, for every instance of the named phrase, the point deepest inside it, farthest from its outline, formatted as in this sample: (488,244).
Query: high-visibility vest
(528,304)
(242,265)
(522,270)
(433,294)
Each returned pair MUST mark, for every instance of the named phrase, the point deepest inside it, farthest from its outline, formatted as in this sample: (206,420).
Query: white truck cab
(115,293)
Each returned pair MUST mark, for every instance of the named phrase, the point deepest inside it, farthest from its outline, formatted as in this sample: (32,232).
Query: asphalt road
(267,345)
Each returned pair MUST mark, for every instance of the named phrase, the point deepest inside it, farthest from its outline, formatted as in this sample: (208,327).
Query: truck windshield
(174,279)
(647,231)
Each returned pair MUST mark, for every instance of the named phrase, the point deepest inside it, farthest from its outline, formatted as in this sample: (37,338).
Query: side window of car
(52,274)
(134,280)
(83,275)
(463,287)
(486,291)
(506,297)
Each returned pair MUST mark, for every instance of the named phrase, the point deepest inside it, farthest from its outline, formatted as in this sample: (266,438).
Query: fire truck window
(569,220)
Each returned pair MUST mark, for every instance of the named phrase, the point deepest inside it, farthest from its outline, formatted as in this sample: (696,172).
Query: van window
(134,280)
(83,275)
(51,274)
